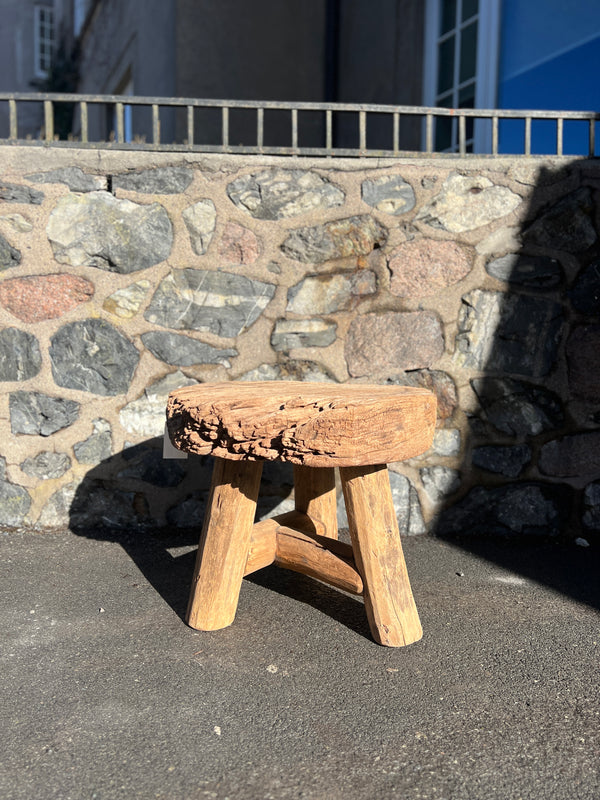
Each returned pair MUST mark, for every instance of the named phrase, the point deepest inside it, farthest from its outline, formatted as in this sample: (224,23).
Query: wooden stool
(316,427)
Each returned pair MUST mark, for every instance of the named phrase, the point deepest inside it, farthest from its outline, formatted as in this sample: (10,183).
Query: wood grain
(224,542)
(389,602)
(315,496)
(299,549)
(310,424)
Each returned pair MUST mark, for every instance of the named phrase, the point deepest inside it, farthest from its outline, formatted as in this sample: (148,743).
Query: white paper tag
(169,449)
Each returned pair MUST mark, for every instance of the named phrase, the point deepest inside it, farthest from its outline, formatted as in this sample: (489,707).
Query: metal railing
(334,129)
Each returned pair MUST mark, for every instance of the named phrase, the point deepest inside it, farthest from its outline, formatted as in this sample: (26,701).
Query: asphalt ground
(106,693)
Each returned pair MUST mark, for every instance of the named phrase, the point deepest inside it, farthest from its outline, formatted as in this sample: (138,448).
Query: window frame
(38,69)
(486,69)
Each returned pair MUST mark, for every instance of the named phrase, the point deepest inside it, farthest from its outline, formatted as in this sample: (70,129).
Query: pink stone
(422,267)
(389,343)
(38,297)
(238,245)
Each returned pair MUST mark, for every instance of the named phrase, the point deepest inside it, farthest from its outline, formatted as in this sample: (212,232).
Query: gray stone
(9,255)
(146,415)
(200,220)
(205,300)
(591,506)
(390,194)
(466,202)
(281,193)
(74,177)
(503,460)
(106,507)
(20,357)
(158,180)
(438,382)
(17,193)
(585,294)
(583,361)
(18,222)
(15,502)
(406,505)
(517,509)
(98,230)
(97,447)
(324,294)
(571,456)
(446,442)
(392,342)
(289,334)
(92,356)
(2,468)
(39,414)
(292,370)
(56,512)
(567,225)
(189,513)
(182,351)
(47,465)
(126,302)
(150,466)
(517,408)
(272,506)
(508,333)
(353,236)
(538,272)
(439,482)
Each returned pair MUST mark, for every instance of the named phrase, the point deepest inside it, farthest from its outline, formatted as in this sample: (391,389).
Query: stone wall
(125,275)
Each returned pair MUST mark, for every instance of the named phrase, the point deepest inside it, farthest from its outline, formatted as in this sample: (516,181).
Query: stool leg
(314,492)
(224,544)
(389,603)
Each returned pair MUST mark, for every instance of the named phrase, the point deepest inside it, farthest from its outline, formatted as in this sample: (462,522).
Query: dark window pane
(443,133)
(468,52)
(466,96)
(448,16)
(469,9)
(446,65)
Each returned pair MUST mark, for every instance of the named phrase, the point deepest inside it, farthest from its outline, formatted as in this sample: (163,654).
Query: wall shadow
(529,496)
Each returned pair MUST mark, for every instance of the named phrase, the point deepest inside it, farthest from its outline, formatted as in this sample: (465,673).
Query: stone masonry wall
(125,275)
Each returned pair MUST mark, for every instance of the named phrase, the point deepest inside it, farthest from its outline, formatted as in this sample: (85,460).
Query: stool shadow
(116,502)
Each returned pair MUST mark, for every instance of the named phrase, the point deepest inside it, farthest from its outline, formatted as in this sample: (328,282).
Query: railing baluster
(120,132)
(429,133)
(592,147)
(83,114)
(155,124)
(559,136)
(190,125)
(260,127)
(396,132)
(362,130)
(49,120)
(329,129)
(225,127)
(295,129)
(527,136)
(462,135)
(13,126)
(494,136)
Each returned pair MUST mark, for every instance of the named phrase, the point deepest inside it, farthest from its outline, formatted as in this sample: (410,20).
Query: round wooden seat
(313,424)
(316,427)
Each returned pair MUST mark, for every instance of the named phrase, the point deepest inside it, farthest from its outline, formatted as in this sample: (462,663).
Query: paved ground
(107,694)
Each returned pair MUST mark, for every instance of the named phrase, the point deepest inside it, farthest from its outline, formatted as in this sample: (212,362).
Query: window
(43,40)
(460,66)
